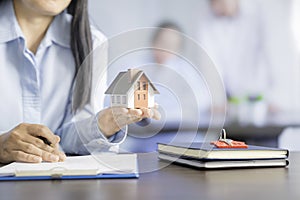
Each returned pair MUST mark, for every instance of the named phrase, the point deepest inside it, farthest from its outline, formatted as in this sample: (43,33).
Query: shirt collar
(58,32)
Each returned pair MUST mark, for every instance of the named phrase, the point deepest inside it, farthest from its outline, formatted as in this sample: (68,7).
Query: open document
(105,165)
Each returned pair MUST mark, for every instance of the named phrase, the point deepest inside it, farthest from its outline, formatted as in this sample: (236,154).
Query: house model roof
(125,80)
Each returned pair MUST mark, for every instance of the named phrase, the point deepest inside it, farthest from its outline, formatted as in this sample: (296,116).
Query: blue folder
(99,176)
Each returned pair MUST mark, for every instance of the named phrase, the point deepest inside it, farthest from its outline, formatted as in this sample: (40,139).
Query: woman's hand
(22,144)
(111,120)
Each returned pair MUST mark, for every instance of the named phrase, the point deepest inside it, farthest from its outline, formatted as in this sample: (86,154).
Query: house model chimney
(132,73)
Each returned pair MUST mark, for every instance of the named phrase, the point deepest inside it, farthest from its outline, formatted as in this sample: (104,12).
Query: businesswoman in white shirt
(42,46)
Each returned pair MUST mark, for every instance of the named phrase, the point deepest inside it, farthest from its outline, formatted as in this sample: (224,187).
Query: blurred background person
(232,32)
(186,83)
(167,36)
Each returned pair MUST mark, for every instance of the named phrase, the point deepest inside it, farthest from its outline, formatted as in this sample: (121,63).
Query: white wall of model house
(130,94)
(150,97)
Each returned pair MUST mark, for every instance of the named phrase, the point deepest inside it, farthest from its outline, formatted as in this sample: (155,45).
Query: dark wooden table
(170,182)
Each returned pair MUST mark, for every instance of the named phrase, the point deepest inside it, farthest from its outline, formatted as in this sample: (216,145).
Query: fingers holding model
(111,120)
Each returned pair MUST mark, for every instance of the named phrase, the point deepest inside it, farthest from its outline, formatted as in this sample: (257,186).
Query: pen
(45,140)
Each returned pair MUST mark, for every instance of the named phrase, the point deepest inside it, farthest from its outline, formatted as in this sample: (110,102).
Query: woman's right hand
(22,144)
(111,120)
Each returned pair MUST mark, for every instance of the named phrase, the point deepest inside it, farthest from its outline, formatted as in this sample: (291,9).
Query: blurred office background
(276,107)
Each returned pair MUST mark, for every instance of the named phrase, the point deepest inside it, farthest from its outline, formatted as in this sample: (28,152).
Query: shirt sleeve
(79,132)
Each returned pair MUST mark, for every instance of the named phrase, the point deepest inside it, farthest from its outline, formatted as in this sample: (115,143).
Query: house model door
(141,93)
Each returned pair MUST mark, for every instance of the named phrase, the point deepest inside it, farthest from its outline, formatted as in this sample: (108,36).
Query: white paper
(77,165)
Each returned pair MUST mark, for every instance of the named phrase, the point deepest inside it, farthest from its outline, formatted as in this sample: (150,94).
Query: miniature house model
(132,89)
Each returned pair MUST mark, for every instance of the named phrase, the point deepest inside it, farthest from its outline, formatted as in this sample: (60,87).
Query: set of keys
(224,142)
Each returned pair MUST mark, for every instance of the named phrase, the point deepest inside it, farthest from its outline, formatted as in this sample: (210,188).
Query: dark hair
(165,25)
(81,45)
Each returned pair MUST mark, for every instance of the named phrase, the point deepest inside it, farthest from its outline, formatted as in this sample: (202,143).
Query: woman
(42,46)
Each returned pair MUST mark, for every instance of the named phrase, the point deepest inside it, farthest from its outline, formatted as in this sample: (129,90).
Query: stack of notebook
(208,156)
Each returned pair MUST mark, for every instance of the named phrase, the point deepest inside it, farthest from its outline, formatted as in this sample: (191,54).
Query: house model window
(144,85)
(132,89)
(138,85)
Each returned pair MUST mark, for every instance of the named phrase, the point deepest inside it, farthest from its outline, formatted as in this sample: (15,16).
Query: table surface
(170,182)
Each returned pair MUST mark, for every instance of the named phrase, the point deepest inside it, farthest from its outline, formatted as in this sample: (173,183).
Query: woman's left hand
(111,120)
